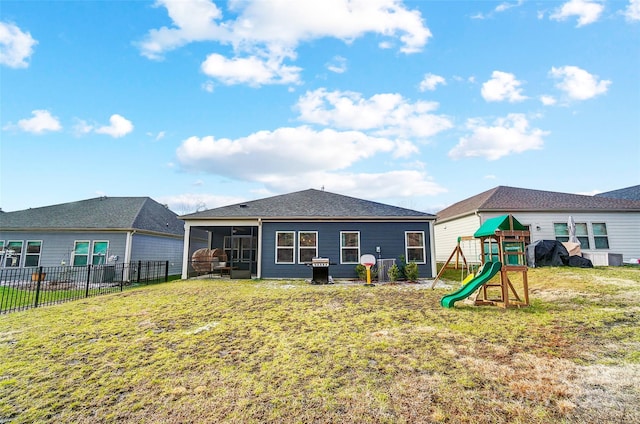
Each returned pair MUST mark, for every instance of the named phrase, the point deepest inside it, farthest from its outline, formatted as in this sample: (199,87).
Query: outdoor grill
(320,267)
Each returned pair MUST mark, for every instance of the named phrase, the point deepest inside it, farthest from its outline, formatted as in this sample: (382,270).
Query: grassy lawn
(285,351)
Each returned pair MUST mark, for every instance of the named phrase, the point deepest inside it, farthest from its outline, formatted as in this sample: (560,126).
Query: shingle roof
(629,193)
(511,199)
(121,213)
(317,204)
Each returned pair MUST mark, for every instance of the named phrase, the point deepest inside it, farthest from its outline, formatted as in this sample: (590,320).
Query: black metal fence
(23,288)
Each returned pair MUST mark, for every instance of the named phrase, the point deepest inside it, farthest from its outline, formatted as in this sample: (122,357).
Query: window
(561,231)
(600,235)
(99,253)
(415,248)
(32,258)
(13,254)
(80,253)
(307,246)
(349,247)
(285,246)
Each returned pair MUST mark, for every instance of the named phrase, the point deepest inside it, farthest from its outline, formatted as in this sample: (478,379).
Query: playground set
(502,250)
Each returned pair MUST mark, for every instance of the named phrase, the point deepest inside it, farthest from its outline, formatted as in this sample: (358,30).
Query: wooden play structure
(458,254)
(503,239)
(502,246)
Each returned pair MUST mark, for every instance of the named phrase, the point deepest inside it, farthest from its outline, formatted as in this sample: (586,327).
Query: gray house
(629,193)
(277,237)
(94,231)
(605,224)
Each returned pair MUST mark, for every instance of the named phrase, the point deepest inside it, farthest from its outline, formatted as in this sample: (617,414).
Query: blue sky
(419,104)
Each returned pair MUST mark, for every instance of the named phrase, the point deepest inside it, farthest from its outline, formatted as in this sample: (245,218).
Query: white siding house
(605,224)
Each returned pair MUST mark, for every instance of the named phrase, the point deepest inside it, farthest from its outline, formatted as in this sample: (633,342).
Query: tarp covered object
(574,249)
(580,262)
(547,253)
(553,253)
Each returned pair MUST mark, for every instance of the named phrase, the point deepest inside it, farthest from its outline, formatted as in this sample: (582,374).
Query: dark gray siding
(389,236)
(57,246)
(155,248)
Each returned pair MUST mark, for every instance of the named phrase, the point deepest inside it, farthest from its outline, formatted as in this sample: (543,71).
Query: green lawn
(285,351)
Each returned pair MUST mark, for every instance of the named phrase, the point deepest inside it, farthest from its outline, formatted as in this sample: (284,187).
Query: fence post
(86,293)
(166,271)
(35,303)
(139,272)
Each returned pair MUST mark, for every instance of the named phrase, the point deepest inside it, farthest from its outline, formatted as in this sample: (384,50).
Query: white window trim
(300,247)
(19,257)
(588,236)
(73,252)
(348,247)
(600,236)
(407,247)
(106,254)
(293,256)
(26,253)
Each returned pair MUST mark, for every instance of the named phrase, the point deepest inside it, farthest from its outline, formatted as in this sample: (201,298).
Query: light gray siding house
(94,231)
(278,236)
(604,225)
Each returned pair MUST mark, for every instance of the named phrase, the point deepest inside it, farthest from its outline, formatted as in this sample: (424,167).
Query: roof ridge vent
(243,205)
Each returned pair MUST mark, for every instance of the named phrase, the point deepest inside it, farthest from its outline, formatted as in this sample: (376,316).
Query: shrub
(411,271)
(394,273)
(361,270)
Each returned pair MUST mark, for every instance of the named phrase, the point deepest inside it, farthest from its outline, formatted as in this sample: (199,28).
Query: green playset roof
(503,222)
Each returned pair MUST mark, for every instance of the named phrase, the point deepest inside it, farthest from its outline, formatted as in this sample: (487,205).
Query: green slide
(488,271)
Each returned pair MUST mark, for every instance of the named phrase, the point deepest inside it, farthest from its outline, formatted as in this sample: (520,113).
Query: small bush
(411,271)
(361,270)
(394,273)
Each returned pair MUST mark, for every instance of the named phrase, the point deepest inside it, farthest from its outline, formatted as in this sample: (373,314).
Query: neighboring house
(603,224)
(277,237)
(94,231)
(629,193)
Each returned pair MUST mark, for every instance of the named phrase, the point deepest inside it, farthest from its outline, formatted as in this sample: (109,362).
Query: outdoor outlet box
(378,249)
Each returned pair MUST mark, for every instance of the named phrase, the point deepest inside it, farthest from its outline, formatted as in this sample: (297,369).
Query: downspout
(128,248)
(432,246)
(185,251)
(259,250)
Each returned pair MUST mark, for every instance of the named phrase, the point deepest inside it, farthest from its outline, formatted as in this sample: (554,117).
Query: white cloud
(578,83)
(381,185)
(208,86)
(264,33)
(338,65)
(81,127)
(16,46)
(632,12)
(252,70)
(431,81)
(381,114)
(41,122)
(502,86)
(548,100)
(506,136)
(289,159)
(506,5)
(288,151)
(119,126)
(187,203)
(587,11)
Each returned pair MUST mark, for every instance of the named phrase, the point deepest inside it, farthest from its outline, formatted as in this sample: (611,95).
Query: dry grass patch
(286,351)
